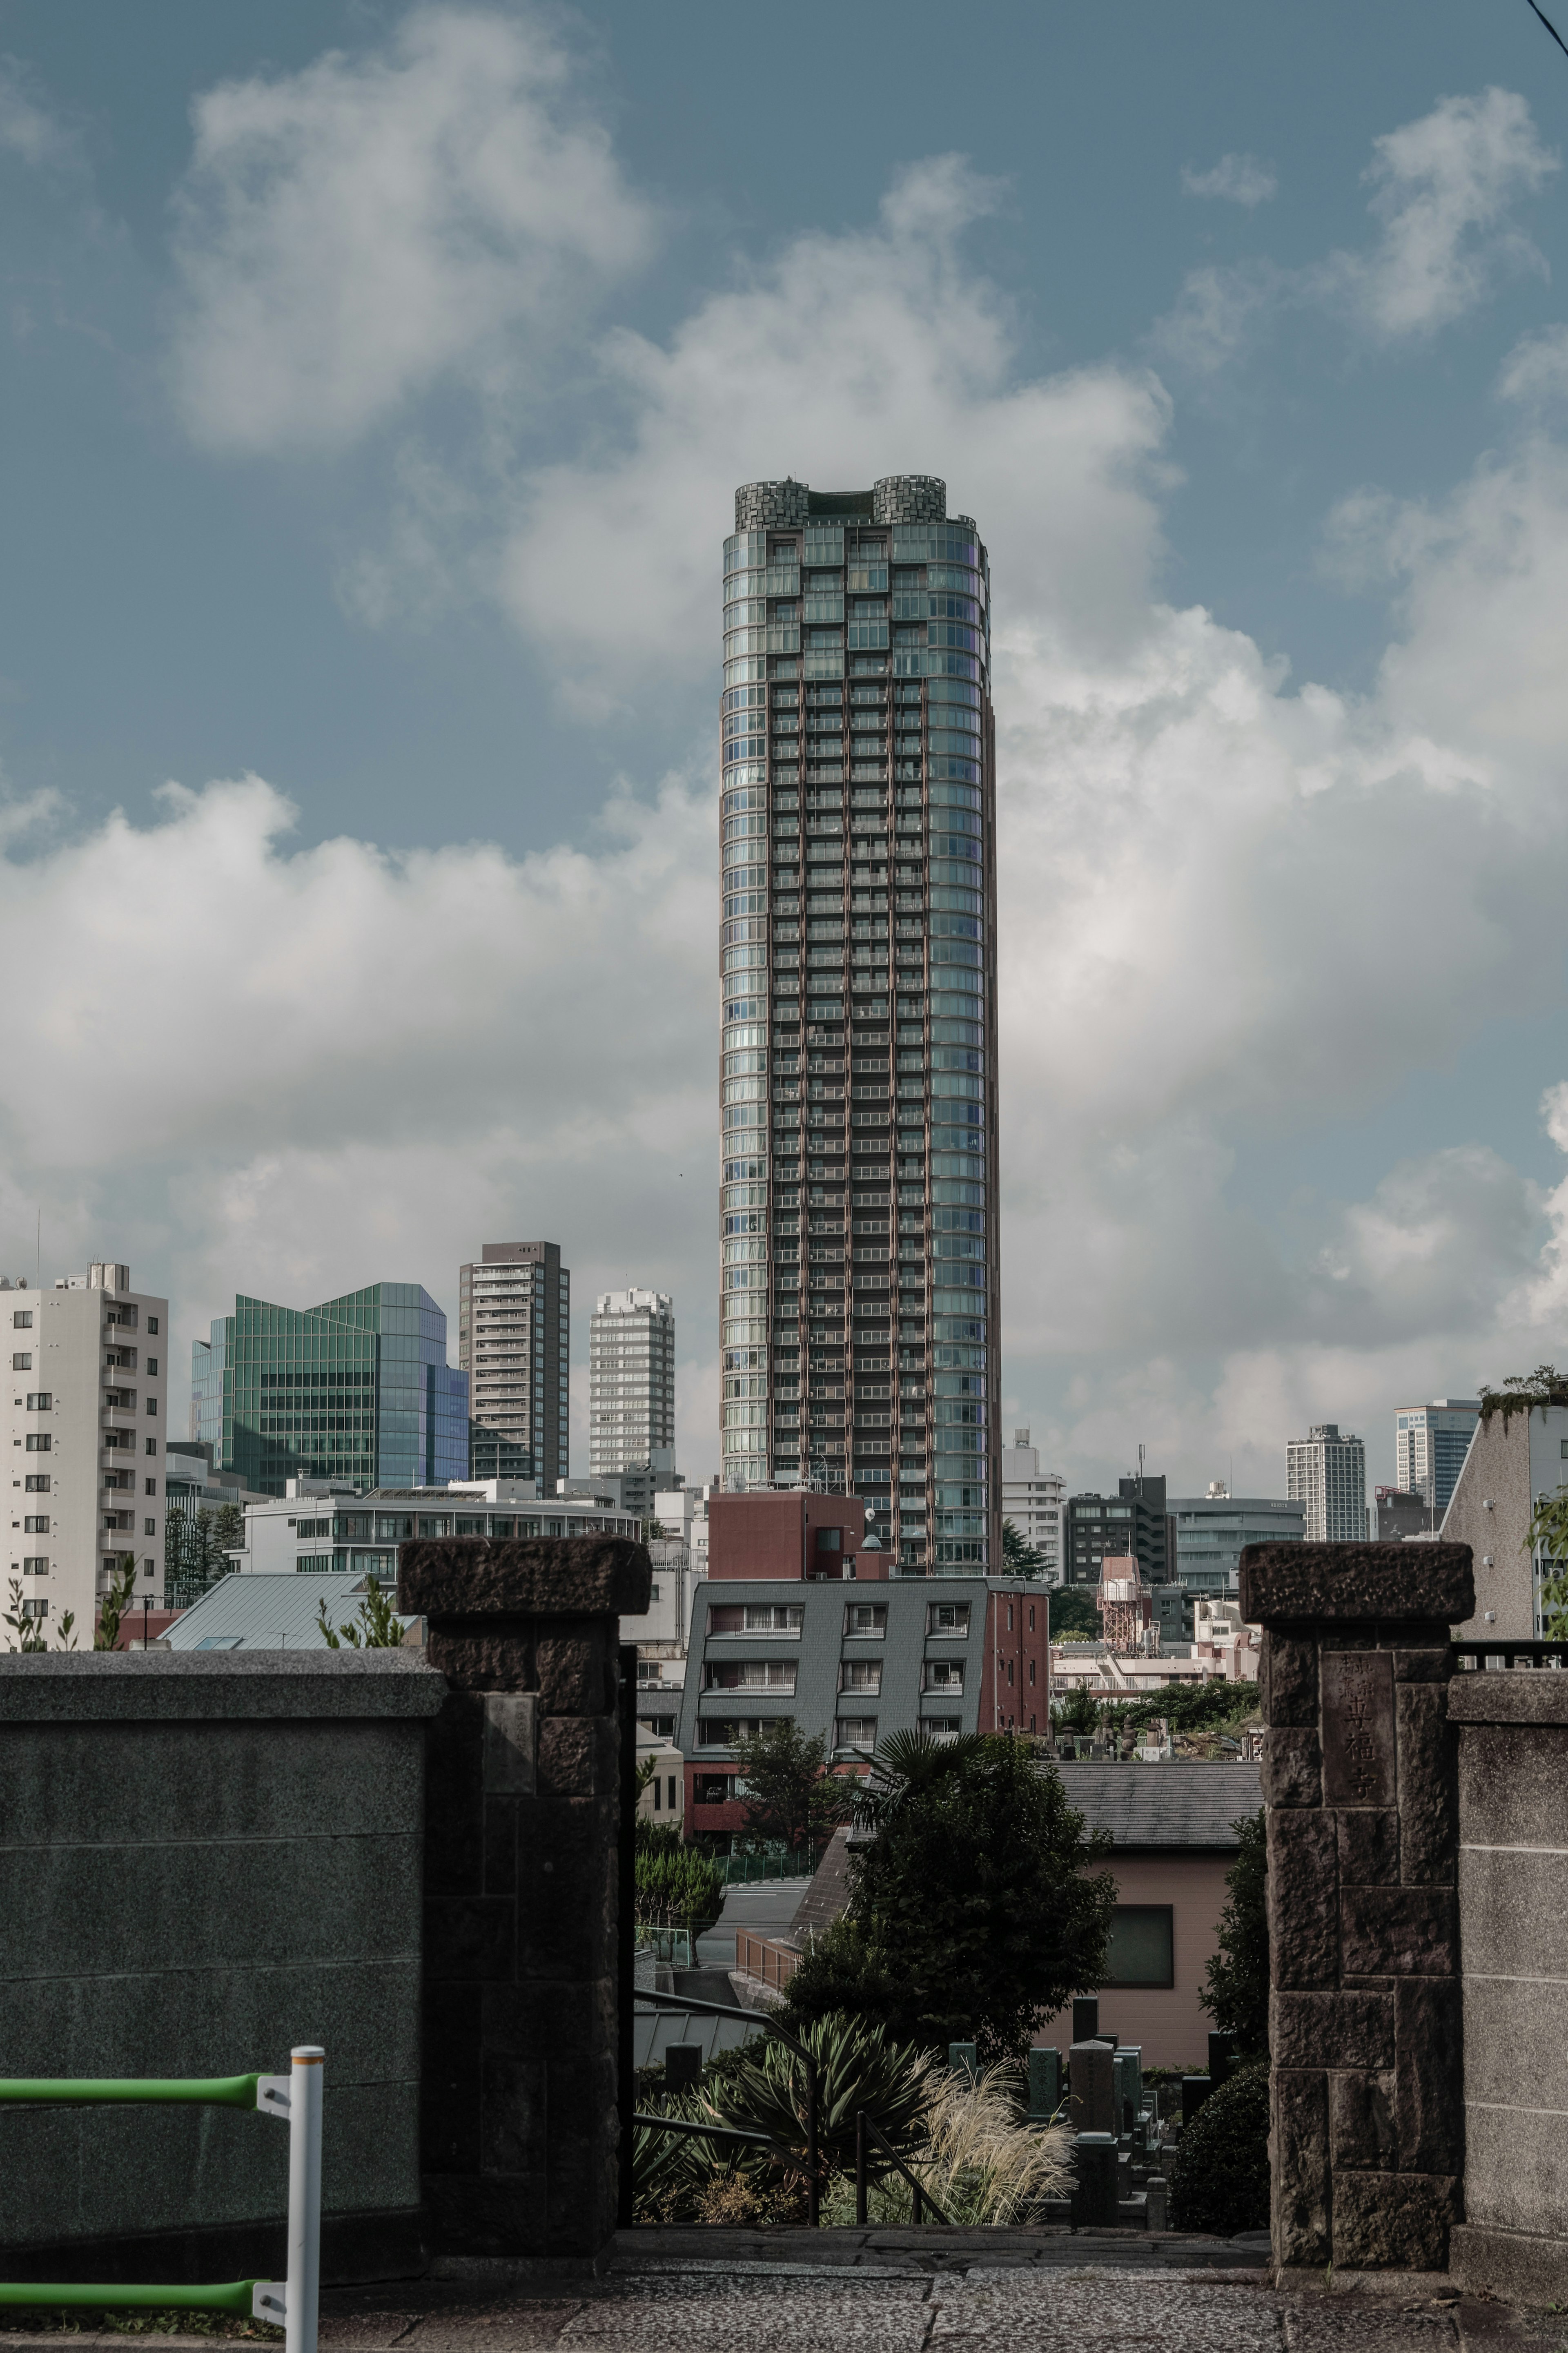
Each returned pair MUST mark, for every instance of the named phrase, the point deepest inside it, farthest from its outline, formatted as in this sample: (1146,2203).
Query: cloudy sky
(375,383)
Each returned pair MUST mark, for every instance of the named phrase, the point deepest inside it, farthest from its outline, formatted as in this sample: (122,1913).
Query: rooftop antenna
(1140,1471)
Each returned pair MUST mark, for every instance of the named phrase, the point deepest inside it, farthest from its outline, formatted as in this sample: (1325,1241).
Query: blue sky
(375,384)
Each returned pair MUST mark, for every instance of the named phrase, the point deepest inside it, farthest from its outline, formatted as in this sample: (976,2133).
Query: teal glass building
(357,1389)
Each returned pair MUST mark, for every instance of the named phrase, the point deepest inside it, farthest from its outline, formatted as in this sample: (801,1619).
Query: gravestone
(1195,2090)
(1360,1785)
(1095,2198)
(963,2058)
(1085,2017)
(1222,2057)
(1092,2107)
(682,2065)
(1128,2076)
(1044,2084)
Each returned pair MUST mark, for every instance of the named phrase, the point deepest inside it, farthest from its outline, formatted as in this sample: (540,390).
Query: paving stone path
(901,2292)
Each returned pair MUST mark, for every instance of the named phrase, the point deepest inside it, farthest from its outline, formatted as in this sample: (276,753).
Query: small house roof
(263,1611)
(1195,1807)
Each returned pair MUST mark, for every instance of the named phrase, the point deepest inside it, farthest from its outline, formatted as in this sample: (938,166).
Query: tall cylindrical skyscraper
(859,960)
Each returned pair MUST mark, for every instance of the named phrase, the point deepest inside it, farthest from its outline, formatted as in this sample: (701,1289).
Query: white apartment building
(323,1524)
(1033,1500)
(1327,1472)
(514,1341)
(86,1419)
(631,1384)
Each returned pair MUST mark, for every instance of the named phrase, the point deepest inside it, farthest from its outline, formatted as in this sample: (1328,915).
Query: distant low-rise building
(1400,1514)
(1134,1520)
(319,1527)
(1212,1530)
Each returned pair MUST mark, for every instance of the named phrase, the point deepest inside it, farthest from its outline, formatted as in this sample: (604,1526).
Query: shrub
(982,2162)
(1220,2179)
(677,1887)
(763,2089)
(1235,1986)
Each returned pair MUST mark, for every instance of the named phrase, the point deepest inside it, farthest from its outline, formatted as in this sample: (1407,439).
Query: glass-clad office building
(357,1389)
(858,959)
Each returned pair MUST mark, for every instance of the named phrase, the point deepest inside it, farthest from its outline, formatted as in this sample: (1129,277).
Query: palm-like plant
(856,2067)
(906,1766)
(981,2162)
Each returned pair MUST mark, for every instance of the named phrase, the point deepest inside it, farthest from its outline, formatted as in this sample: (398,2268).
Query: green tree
(976,1909)
(1080,1711)
(1221,2174)
(375,1626)
(789,1793)
(1019,1557)
(1548,1534)
(677,1887)
(111,1609)
(193,1545)
(1235,1986)
(1073,1614)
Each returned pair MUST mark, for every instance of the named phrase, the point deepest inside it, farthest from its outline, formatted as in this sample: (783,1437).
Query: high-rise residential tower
(1431,1442)
(859,958)
(1327,1472)
(514,1341)
(631,1385)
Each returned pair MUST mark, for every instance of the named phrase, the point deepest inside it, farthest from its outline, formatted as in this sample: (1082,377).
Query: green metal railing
(292,2304)
(738,1870)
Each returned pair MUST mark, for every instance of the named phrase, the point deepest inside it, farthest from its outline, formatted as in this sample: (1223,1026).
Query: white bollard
(304,2290)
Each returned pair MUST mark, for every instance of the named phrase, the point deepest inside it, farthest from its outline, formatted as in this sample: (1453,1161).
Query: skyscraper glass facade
(858,1241)
(357,1389)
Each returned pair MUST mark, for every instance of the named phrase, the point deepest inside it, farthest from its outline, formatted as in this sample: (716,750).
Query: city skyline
(394,781)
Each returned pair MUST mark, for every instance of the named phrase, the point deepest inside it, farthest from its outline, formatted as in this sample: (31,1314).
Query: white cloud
(1445,187)
(1535,372)
(351,234)
(27,128)
(1237,179)
(846,358)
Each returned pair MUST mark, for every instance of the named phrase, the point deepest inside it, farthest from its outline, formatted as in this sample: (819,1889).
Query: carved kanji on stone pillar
(519,2125)
(1358,1779)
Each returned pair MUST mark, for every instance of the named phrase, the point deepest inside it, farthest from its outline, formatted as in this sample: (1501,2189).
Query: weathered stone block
(579,1757)
(1303,1899)
(1428,2040)
(1513,1905)
(1432,1583)
(1368,1847)
(1361,2120)
(1394,2222)
(1399,1931)
(1298,2166)
(1292,1767)
(545,1576)
(1429,1662)
(1330,2030)
(1287,1680)
(1511,1778)
(1428,1786)
(1480,1698)
(574,1664)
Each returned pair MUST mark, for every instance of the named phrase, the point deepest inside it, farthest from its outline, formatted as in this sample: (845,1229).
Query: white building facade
(1033,1500)
(86,1419)
(1326,1472)
(631,1385)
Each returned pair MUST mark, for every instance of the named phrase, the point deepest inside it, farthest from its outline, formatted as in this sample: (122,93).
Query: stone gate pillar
(1367,2139)
(518,2105)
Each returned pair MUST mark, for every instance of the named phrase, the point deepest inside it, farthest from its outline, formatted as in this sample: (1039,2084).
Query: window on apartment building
(151,1446)
(947,1618)
(749,1675)
(40,1402)
(1142,1946)
(866,1620)
(35,1524)
(22,1363)
(861,1675)
(756,1617)
(151,1485)
(36,1482)
(35,1564)
(662,1727)
(151,1324)
(854,1732)
(942,1727)
(37,1442)
(148,1527)
(944,1676)
(22,1319)
(712,1789)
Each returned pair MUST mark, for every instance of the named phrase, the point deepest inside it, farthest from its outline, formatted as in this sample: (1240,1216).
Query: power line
(1552,28)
